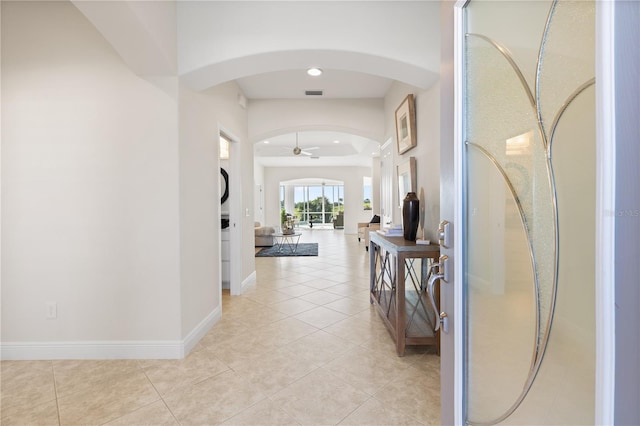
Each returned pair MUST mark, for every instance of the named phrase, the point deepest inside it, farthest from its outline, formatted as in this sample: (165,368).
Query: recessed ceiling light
(266,141)
(336,141)
(314,72)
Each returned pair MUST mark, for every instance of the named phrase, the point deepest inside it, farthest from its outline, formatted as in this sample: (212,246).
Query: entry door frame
(451,344)
(452,209)
(605,212)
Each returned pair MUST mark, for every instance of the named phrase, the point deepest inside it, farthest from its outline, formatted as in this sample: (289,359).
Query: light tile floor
(304,346)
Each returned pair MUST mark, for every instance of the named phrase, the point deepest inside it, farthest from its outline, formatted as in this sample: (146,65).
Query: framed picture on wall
(406,124)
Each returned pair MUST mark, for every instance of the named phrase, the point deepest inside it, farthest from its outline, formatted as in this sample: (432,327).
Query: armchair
(364,228)
(338,221)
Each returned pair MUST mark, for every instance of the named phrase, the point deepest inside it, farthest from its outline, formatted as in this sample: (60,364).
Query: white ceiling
(292,84)
(349,150)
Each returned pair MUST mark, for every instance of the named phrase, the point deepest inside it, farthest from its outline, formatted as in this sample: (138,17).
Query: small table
(406,311)
(291,240)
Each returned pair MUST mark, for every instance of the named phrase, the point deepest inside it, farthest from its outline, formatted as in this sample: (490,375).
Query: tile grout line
(159,395)
(355,409)
(55,391)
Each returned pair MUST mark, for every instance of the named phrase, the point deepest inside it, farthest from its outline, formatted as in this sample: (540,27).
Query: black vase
(410,216)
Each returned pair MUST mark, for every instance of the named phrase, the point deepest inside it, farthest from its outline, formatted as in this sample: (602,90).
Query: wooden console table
(407,312)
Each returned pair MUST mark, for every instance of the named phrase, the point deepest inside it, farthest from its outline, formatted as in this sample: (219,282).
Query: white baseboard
(164,349)
(201,330)
(248,282)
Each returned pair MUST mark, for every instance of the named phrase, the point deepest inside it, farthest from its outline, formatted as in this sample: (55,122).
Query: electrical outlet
(52,310)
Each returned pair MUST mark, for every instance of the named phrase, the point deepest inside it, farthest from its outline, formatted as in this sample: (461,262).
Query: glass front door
(529,176)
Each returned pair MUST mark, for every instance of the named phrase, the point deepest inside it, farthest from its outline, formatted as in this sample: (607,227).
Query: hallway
(303,346)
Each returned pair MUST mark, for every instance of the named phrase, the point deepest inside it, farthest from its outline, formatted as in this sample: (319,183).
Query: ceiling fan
(297,150)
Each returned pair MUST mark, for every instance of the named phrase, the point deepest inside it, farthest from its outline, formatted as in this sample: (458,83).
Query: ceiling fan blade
(305,153)
(312,148)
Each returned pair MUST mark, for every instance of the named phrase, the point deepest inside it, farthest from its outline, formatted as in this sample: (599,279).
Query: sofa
(263,235)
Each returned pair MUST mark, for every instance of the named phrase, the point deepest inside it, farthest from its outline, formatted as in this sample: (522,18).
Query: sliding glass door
(315,204)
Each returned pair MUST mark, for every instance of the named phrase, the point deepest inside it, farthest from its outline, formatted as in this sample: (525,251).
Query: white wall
(89,186)
(202,115)
(375,185)
(258,197)
(111,183)
(142,33)
(353,191)
(427,151)
(199,209)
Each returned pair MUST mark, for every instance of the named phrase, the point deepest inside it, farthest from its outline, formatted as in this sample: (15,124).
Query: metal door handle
(442,274)
(430,284)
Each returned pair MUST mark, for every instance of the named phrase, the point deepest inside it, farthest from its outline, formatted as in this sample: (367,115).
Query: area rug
(304,249)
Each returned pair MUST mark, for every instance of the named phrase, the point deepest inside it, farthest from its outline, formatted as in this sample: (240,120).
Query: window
(282,191)
(317,204)
(367,189)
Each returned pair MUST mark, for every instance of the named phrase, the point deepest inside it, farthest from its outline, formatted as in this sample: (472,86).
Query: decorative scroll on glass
(514,101)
